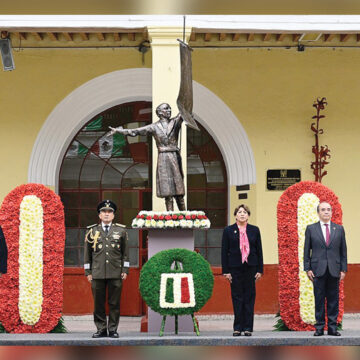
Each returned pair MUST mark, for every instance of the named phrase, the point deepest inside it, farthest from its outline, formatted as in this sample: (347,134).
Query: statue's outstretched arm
(144,130)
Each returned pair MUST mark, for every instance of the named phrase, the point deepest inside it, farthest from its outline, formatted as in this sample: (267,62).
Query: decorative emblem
(116,237)
(113,245)
(100,246)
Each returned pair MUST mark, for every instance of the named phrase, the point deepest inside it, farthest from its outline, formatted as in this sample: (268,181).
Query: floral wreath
(32,219)
(297,209)
(171,219)
(176,282)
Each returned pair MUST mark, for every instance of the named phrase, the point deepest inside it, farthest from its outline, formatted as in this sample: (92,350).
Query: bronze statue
(169,173)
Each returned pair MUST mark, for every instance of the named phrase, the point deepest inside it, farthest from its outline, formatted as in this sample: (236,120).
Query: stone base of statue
(159,240)
(169,230)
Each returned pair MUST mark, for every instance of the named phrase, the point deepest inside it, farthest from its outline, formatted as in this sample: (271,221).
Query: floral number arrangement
(171,219)
(297,209)
(31,293)
(171,291)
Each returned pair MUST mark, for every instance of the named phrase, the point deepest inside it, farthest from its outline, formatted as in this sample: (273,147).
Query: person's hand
(342,275)
(114,130)
(89,277)
(310,275)
(258,276)
(228,276)
(123,276)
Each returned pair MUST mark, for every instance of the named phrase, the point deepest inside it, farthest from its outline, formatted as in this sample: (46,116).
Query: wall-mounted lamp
(6,52)
(144,48)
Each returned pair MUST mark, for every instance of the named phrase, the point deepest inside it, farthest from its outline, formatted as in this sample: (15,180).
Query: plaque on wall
(281,179)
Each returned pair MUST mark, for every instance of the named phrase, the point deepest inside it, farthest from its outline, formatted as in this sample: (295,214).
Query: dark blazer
(230,251)
(3,253)
(318,257)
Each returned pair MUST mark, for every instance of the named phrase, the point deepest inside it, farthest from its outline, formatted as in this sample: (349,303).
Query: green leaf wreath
(185,261)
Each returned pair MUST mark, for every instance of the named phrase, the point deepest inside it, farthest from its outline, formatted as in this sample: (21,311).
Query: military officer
(106,265)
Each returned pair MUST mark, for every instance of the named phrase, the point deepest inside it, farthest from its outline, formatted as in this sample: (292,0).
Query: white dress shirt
(323,228)
(104,228)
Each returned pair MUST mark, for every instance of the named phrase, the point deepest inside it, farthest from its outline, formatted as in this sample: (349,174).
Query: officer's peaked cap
(106,205)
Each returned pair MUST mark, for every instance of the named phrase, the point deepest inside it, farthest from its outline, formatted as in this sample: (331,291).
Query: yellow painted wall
(42,78)
(270,91)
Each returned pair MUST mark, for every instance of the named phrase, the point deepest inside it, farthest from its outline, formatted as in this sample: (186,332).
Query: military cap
(106,205)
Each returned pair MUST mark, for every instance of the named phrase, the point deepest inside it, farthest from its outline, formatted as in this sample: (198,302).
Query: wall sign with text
(281,179)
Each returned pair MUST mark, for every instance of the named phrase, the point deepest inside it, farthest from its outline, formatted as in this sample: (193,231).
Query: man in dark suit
(325,262)
(3,254)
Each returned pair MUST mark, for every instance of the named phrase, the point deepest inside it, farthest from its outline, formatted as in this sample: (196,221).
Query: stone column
(166,71)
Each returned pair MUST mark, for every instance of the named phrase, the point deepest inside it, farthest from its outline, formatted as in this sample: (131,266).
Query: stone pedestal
(159,240)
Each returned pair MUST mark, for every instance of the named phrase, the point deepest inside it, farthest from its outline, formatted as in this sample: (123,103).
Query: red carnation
(148,217)
(193,217)
(156,217)
(167,217)
(53,259)
(181,217)
(161,217)
(188,217)
(174,217)
(288,250)
(138,216)
(142,216)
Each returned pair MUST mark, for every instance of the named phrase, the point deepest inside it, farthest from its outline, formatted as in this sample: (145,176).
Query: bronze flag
(185,97)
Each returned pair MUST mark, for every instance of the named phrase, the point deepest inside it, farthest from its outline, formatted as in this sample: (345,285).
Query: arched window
(96,167)
(207,190)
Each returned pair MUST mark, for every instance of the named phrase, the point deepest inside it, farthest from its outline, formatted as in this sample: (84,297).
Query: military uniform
(106,258)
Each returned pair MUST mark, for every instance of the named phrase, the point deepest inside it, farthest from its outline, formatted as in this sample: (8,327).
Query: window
(207,190)
(96,167)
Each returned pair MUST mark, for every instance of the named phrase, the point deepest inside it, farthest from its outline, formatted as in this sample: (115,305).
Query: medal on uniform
(116,237)
(113,245)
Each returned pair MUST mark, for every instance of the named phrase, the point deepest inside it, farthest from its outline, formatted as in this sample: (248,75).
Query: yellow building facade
(257,79)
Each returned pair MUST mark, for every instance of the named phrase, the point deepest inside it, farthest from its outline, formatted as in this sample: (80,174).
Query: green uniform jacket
(106,256)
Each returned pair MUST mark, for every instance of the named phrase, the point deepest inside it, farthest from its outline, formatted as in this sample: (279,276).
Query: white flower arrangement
(307,214)
(31,232)
(177,290)
(171,219)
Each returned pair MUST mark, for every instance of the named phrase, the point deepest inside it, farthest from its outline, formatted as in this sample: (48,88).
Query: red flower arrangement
(287,222)
(53,260)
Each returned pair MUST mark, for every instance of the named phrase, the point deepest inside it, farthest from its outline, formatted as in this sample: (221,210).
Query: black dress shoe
(334,333)
(113,334)
(237,333)
(100,334)
(319,333)
(247,333)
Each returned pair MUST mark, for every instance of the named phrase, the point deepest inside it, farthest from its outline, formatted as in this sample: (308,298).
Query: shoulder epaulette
(121,225)
(90,226)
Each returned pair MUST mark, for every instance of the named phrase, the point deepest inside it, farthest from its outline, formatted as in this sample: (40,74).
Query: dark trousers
(326,286)
(243,292)
(98,287)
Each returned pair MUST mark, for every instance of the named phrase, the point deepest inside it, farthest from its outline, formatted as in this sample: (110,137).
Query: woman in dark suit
(242,265)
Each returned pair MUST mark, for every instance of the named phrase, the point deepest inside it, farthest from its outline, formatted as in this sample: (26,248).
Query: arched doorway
(119,168)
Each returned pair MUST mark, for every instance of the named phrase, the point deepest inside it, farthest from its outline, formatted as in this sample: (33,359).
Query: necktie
(327,232)
(106,228)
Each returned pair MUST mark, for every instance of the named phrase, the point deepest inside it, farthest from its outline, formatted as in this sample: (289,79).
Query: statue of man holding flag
(169,173)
